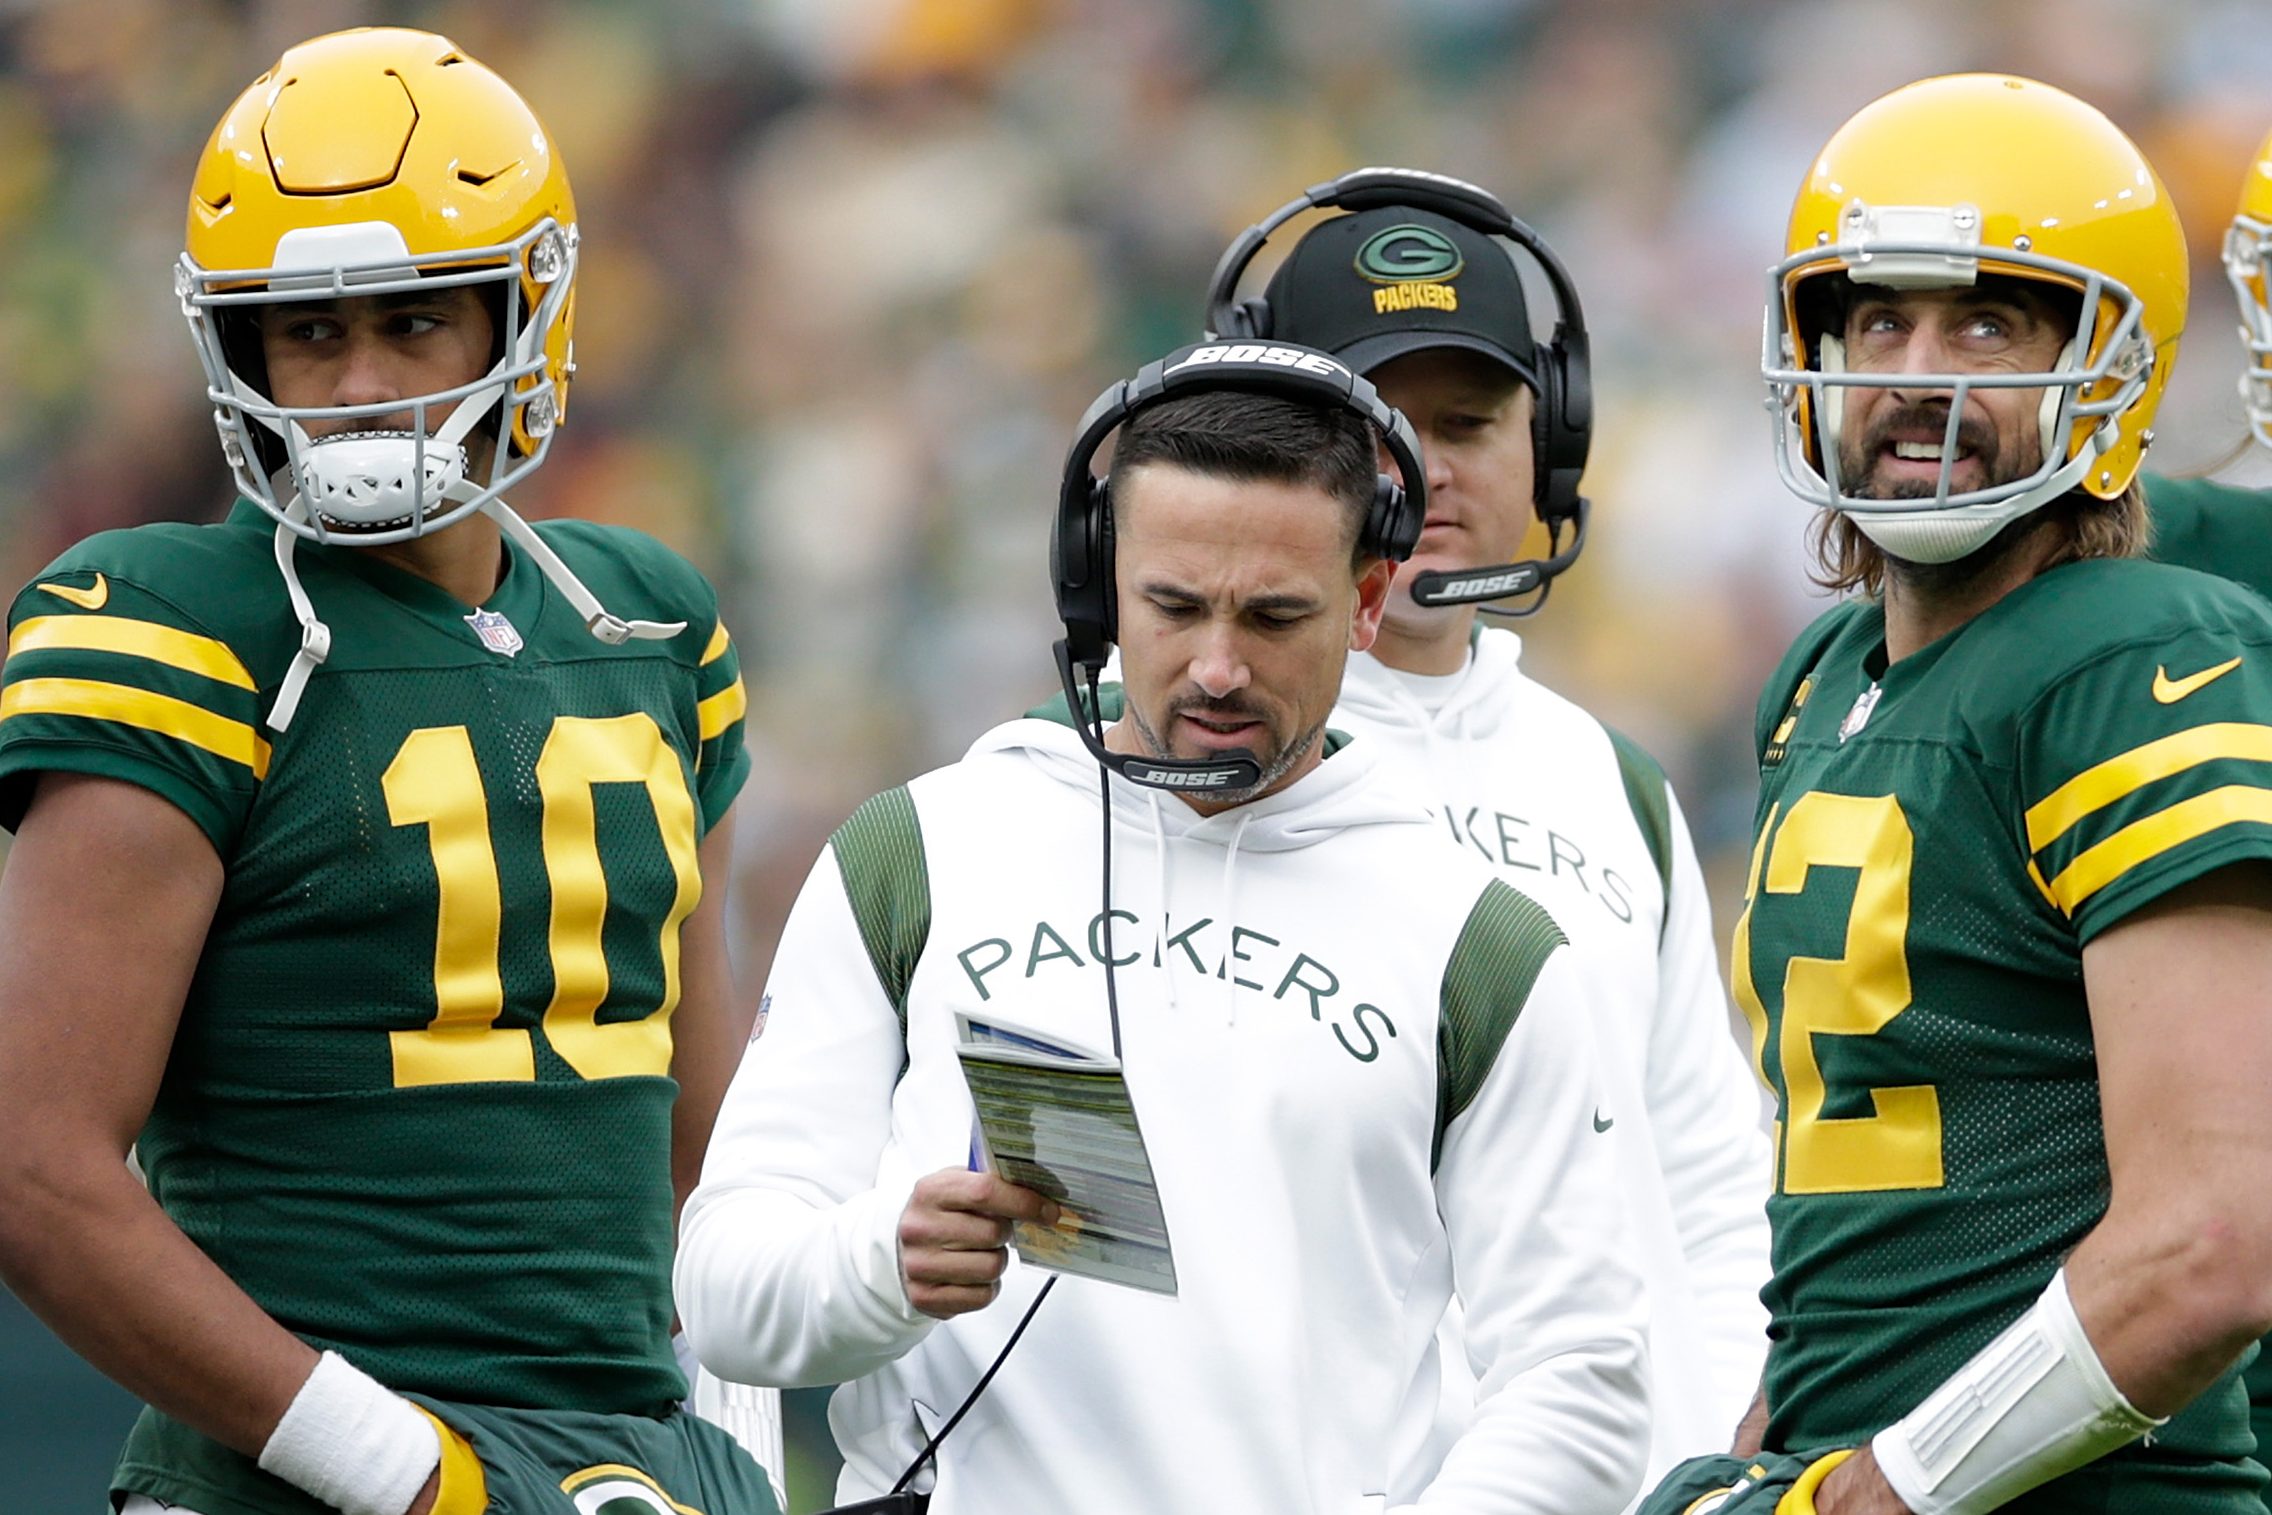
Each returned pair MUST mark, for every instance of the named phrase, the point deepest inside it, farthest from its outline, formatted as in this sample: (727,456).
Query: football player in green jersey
(360,866)
(2008,926)
(2225,528)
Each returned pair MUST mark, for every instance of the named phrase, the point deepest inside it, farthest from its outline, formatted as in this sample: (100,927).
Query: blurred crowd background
(853,268)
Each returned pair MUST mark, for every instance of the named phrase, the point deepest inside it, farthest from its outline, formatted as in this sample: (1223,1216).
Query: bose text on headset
(1081,545)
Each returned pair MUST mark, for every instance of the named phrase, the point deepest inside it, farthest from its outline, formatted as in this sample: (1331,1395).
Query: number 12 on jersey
(1858,993)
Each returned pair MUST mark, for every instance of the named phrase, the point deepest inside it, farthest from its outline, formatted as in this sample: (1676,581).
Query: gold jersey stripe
(722,709)
(719,642)
(138,639)
(224,738)
(2035,876)
(2149,838)
(2097,787)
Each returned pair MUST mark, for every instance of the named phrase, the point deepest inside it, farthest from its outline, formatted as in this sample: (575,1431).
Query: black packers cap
(1380,283)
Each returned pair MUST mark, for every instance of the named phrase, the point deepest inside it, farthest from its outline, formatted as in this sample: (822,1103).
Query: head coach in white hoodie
(1416,286)
(1361,1060)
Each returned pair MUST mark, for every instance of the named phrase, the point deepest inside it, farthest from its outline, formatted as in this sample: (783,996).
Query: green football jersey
(2218,528)
(1937,841)
(419,1102)
(2226,530)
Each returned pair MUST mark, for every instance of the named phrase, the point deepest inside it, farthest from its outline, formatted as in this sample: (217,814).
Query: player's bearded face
(1895,441)
(1899,454)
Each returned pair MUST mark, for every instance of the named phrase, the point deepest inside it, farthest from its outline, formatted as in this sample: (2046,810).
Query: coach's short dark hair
(1251,435)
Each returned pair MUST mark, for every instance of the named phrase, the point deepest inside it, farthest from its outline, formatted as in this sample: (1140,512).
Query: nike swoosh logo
(2168,690)
(1600,1124)
(99,596)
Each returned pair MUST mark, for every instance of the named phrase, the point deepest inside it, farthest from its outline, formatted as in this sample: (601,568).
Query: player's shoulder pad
(2106,623)
(218,581)
(1805,653)
(2174,504)
(636,576)
(2081,614)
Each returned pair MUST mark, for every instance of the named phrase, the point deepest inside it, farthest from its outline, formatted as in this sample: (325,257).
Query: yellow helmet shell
(386,124)
(2256,185)
(2041,173)
(2248,259)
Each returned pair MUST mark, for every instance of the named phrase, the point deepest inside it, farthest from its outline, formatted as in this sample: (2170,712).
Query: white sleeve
(1705,1115)
(788,1257)
(1540,1259)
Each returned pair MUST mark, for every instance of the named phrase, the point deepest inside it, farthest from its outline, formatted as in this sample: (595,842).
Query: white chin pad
(1941,536)
(375,479)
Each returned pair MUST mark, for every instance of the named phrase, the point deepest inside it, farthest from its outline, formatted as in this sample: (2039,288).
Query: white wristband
(2031,1405)
(352,1442)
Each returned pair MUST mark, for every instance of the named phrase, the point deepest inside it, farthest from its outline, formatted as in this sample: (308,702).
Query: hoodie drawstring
(1231,911)
(1160,885)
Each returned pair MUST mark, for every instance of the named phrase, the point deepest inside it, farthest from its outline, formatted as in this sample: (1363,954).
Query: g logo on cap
(1408,252)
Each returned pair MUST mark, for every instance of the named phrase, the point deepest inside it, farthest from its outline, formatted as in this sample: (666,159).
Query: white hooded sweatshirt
(1523,779)
(1364,1074)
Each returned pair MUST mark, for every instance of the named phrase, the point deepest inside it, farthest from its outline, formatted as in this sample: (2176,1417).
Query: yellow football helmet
(374,162)
(1933,186)
(2248,251)
(371,162)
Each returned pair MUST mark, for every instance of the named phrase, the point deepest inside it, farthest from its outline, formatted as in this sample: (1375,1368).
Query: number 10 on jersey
(435,782)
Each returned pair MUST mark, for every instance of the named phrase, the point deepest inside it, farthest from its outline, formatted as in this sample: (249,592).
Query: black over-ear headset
(1563,420)
(1081,545)
(1080,554)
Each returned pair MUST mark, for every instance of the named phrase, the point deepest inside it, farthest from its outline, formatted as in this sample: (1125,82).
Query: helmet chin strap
(315,636)
(1943,536)
(613,630)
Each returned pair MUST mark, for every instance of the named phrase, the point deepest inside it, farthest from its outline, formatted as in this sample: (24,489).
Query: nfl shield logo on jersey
(1859,716)
(496,633)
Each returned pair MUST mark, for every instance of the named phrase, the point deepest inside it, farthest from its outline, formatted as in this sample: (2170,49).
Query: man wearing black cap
(1432,310)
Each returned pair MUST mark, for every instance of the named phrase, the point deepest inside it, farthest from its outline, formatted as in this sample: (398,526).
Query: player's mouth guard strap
(352,1443)
(315,636)
(2031,1405)
(612,630)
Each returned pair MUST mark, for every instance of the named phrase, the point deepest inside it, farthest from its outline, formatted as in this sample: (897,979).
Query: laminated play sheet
(1060,1122)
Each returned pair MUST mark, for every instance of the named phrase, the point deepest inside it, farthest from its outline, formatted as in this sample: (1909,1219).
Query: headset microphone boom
(1081,544)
